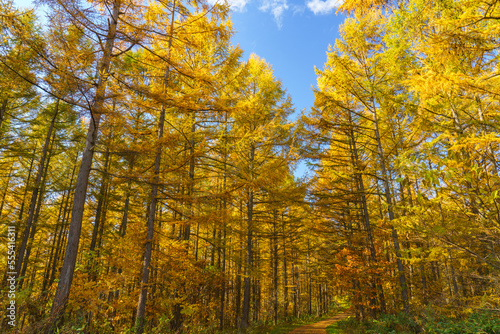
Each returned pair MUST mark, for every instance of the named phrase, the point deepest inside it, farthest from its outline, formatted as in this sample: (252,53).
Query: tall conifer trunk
(224,230)
(34,194)
(37,214)
(148,247)
(356,163)
(75,226)
(388,198)
(247,281)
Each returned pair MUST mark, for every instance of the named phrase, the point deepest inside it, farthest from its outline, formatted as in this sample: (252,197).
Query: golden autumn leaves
(187,194)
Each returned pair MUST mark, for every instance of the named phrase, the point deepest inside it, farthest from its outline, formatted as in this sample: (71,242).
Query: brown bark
(64,225)
(275,267)
(100,202)
(246,291)
(123,225)
(34,196)
(366,217)
(3,111)
(75,226)
(285,275)
(35,218)
(6,188)
(148,247)
(21,210)
(224,227)
(388,198)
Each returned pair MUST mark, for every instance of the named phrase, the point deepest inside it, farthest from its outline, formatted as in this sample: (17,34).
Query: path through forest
(319,327)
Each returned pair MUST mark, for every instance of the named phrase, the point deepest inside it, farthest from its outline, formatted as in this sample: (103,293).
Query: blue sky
(292,35)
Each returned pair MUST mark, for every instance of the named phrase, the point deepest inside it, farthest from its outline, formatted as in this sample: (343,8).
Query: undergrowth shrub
(430,322)
(483,323)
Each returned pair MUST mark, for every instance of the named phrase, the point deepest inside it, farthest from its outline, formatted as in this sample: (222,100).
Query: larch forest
(147,172)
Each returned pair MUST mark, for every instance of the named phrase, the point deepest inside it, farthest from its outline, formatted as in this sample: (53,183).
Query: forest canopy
(149,179)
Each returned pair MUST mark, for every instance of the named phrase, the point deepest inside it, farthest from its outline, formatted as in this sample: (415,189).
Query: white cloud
(323,7)
(298,9)
(275,7)
(236,5)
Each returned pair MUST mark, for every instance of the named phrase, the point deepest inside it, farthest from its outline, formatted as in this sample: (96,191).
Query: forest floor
(320,326)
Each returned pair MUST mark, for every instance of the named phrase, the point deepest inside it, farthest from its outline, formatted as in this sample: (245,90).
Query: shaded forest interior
(148,172)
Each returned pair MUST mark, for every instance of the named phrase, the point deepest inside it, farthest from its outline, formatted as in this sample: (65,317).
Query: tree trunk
(191,186)
(34,196)
(62,231)
(21,210)
(285,276)
(35,218)
(275,268)
(75,227)
(123,225)
(388,198)
(3,111)
(356,163)
(100,202)
(57,227)
(141,305)
(148,247)
(6,188)
(224,232)
(246,293)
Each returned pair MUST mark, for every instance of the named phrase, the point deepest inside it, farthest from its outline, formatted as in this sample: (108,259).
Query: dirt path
(319,327)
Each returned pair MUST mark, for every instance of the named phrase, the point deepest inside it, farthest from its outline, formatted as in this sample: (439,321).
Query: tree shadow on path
(319,327)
